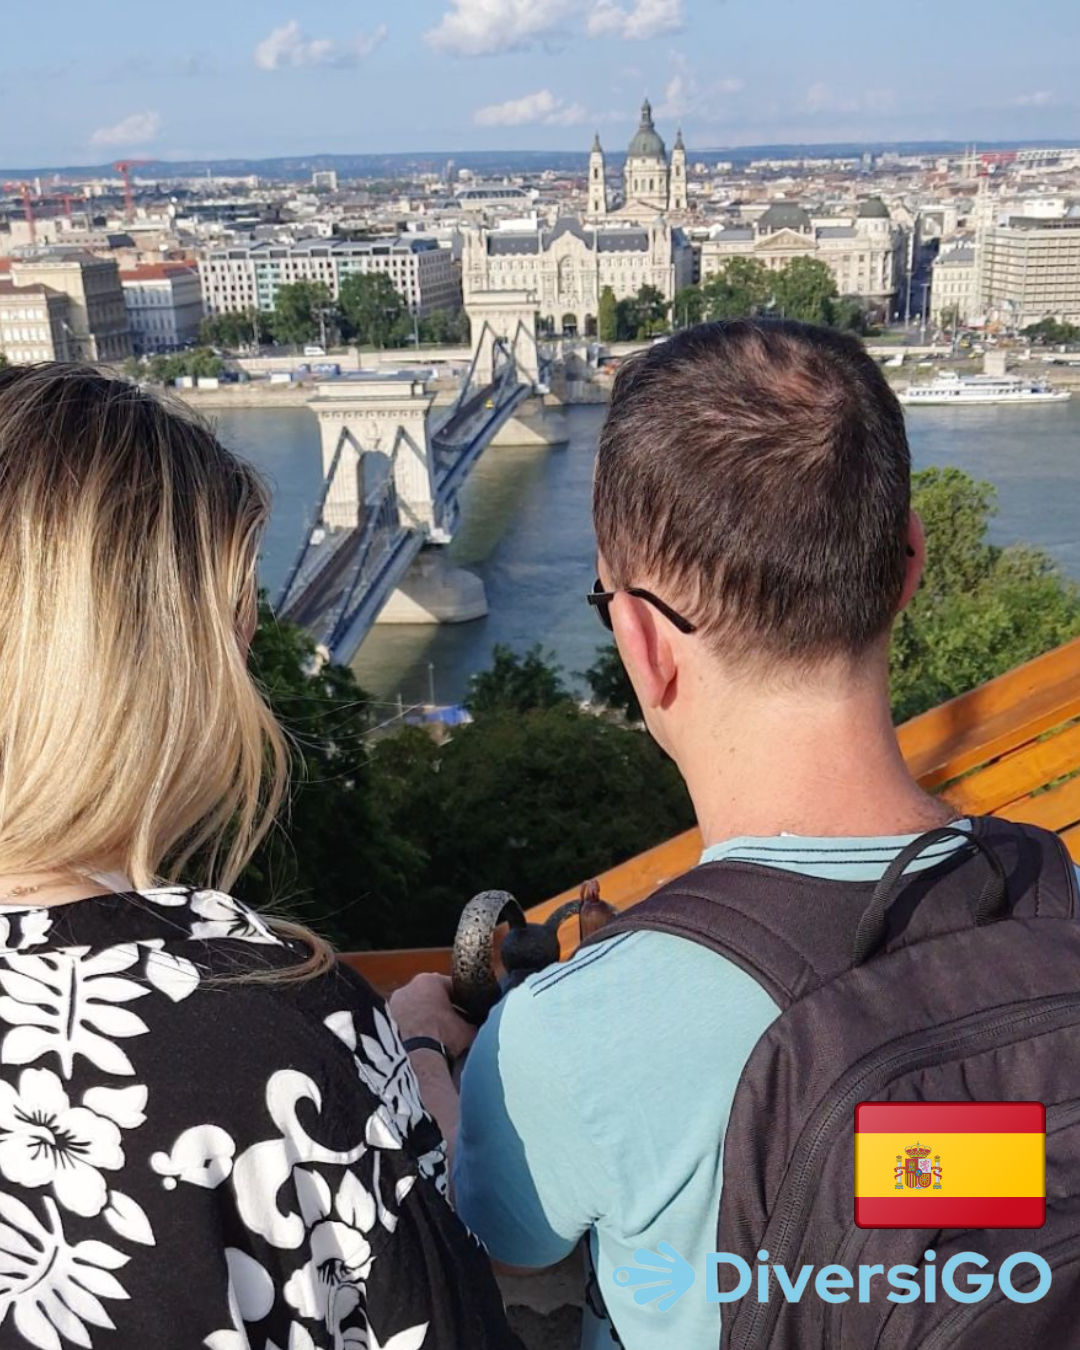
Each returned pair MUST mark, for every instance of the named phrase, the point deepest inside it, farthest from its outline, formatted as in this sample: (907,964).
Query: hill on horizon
(411,163)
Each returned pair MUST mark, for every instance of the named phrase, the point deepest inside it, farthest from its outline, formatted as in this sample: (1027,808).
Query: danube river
(526,530)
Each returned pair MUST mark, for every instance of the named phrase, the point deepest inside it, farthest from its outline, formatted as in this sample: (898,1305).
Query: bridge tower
(511,316)
(376,422)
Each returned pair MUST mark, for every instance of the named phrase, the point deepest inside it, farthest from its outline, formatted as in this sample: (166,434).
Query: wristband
(412,1043)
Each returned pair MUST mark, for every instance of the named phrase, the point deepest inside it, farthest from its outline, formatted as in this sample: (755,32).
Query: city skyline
(473,75)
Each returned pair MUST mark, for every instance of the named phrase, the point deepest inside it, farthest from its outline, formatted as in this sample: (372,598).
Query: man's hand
(423,1008)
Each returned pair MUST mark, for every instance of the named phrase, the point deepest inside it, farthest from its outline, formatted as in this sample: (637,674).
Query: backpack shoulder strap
(793,932)
(1042,877)
(714,905)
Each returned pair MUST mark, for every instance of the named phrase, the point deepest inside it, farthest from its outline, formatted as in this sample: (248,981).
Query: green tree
(607,320)
(652,311)
(201,363)
(849,315)
(1053,331)
(642,315)
(336,862)
(241,329)
(372,306)
(531,802)
(981,609)
(741,287)
(805,289)
(688,307)
(610,684)
(445,327)
(300,311)
(516,683)
(950,317)
(3,360)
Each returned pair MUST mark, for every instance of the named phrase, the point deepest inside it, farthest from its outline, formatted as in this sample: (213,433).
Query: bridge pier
(433,591)
(539,421)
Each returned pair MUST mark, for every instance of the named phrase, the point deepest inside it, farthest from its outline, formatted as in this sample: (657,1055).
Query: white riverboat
(954,390)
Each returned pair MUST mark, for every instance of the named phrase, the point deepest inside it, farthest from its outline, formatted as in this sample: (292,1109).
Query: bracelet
(412,1043)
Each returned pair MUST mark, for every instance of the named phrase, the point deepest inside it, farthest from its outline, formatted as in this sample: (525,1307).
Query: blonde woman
(210,1134)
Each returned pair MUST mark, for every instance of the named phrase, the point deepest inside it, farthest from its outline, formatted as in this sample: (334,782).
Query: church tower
(597,181)
(678,174)
(646,171)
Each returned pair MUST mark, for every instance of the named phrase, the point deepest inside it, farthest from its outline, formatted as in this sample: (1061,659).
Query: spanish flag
(950,1165)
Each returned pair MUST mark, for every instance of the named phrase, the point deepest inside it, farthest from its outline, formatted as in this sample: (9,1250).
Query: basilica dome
(647,142)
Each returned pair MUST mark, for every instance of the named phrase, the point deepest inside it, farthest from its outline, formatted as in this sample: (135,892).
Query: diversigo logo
(663,1277)
(918,1165)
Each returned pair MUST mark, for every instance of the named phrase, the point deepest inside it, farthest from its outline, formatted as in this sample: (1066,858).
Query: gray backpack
(958,982)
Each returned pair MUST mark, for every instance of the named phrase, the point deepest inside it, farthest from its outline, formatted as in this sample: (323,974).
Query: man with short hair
(756,543)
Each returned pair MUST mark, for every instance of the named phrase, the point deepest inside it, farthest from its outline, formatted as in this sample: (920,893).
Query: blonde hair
(132,735)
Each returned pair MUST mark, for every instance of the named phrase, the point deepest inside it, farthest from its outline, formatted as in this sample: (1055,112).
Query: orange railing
(1008,748)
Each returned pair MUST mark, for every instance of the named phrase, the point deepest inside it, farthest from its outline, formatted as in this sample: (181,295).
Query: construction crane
(23,190)
(124,168)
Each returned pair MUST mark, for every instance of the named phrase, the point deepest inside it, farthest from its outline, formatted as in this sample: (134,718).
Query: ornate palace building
(866,252)
(567,265)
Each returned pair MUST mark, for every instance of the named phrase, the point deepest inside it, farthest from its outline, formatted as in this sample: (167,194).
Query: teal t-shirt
(596,1098)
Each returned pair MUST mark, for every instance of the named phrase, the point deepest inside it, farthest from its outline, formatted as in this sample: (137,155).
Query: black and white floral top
(187,1159)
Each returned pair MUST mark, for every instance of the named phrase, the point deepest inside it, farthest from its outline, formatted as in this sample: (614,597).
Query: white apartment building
(237,277)
(164,306)
(866,253)
(568,266)
(953,292)
(33,323)
(1028,269)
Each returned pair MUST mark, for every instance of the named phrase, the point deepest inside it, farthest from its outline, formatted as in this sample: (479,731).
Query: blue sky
(219,78)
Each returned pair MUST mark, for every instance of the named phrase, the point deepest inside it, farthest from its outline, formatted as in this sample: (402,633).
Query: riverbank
(237,396)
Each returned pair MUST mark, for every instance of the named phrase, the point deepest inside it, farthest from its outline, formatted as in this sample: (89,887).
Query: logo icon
(996,1154)
(663,1275)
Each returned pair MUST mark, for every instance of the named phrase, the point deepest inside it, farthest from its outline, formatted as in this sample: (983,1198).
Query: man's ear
(645,647)
(915,559)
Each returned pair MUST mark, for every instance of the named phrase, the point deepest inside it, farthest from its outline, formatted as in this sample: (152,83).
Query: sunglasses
(601,602)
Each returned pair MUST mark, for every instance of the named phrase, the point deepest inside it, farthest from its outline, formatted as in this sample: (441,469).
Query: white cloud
(1042,99)
(483,27)
(289,46)
(687,95)
(139,129)
(541,108)
(642,19)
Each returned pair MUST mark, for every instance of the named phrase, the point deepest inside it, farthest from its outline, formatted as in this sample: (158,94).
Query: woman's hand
(423,1008)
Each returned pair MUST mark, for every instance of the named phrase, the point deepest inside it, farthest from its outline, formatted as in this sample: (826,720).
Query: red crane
(124,167)
(23,190)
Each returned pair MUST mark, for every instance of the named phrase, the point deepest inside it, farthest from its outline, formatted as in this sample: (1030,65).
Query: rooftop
(784,216)
(605,239)
(157,272)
